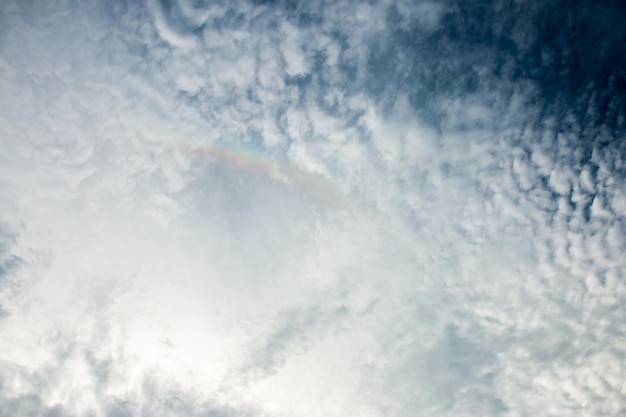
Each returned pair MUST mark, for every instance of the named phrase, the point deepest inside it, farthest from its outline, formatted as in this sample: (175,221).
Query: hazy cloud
(312,208)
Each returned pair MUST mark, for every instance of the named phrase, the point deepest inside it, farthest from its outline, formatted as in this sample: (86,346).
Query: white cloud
(293,54)
(208,210)
(169,34)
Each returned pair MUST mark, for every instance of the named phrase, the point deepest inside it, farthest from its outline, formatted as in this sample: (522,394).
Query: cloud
(391,208)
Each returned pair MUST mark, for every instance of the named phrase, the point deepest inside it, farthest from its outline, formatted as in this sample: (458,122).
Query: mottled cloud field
(385,208)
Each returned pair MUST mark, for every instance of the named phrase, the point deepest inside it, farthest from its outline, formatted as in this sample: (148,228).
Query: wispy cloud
(307,208)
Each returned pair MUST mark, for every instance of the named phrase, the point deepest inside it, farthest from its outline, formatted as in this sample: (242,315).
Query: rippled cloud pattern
(312,208)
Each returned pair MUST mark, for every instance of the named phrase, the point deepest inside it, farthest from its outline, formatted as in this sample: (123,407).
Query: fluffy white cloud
(307,209)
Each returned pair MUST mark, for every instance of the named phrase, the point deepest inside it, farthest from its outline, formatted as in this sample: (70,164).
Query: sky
(395,208)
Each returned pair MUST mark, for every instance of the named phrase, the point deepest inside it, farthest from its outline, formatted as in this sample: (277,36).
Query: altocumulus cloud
(384,208)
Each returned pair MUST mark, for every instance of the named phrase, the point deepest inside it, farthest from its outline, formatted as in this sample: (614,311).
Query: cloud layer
(393,208)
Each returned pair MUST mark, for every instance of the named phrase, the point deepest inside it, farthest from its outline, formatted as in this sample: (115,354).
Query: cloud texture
(391,208)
